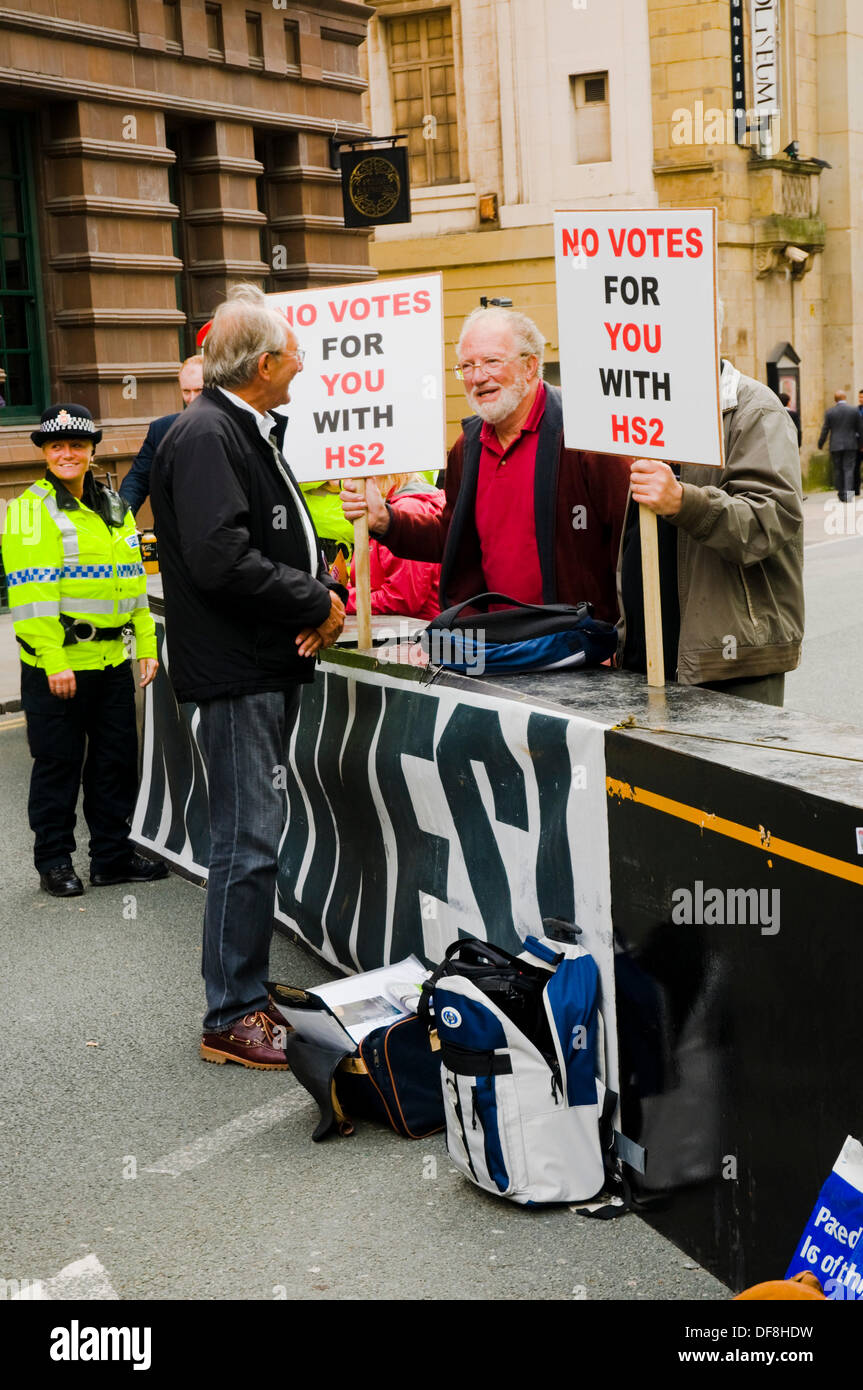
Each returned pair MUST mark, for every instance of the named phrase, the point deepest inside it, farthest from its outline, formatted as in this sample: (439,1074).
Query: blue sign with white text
(831,1246)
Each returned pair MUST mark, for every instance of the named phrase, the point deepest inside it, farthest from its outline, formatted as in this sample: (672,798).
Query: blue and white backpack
(522,1054)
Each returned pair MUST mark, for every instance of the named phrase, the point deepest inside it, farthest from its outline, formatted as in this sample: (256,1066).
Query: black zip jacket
(234,557)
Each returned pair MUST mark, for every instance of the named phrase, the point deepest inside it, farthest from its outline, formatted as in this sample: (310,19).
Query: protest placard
(370,397)
(639,351)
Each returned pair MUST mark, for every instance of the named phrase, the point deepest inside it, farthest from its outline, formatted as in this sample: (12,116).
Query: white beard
(509,399)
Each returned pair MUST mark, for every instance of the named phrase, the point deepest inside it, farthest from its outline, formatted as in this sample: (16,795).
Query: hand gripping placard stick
(361,561)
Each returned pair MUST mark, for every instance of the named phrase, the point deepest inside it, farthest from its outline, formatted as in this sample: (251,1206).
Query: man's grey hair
(527,336)
(244,327)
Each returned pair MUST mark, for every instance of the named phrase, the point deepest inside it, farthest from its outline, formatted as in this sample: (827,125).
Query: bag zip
(460,1117)
(556,1064)
(376,1060)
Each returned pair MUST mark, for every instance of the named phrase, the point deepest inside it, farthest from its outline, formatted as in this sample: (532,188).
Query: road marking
(746,835)
(228,1136)
(834,540)
(85,1279)
(12,723)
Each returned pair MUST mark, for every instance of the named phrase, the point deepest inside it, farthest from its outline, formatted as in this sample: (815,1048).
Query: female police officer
(73,567)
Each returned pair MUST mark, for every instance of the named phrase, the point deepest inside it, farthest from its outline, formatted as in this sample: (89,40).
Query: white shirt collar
(265,423)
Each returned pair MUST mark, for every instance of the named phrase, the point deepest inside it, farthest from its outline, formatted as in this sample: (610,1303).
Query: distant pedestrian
(860,450)
(795,418)
(135,487)
(844,426)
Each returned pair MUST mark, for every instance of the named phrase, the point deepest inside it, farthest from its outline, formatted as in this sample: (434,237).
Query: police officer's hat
(66,422)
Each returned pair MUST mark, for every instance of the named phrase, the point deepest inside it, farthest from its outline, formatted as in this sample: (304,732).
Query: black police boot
(136,869)
(61,882)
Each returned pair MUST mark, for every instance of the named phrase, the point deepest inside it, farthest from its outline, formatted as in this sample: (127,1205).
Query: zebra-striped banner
(413,813)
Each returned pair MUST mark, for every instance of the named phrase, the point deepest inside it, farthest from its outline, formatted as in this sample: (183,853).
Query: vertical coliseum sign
(639,348)
(370,397)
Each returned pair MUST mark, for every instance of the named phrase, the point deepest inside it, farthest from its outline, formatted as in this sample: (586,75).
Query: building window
(215,33)
(424,96)
(339,54)
(171,11)
(255,39)
(590,135)
(292,43)
(22,347)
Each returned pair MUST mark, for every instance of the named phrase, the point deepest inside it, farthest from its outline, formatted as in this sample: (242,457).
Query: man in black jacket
(135,487)
(247,606)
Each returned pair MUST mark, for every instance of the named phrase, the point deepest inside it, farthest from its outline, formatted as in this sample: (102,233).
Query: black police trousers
(94,730)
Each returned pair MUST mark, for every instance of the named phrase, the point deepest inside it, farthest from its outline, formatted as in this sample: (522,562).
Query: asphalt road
(102,1080)
(131,1169)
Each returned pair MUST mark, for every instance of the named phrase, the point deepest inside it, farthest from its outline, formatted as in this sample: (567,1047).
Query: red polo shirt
(505,520)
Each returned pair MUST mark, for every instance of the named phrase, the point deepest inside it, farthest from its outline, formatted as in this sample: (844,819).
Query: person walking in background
(406,587)
(73,566)
(135,487)
(248,605)
(795,418)
(843,424)
(860,450)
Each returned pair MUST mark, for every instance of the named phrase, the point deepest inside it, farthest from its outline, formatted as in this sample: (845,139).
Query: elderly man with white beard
(524,516)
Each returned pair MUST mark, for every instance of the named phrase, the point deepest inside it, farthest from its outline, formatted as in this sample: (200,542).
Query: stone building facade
(549,104)
(152,154)
(537,104)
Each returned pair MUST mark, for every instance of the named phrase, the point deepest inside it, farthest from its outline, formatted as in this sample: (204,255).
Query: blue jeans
(244,740)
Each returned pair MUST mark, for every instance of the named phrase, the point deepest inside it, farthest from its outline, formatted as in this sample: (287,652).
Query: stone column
(111,306)
(221,217)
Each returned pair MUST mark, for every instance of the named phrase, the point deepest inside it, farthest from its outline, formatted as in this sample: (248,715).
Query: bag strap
(482,601)
(498,959)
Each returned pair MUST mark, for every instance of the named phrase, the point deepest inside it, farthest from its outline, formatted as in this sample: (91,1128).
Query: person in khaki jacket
(731,553)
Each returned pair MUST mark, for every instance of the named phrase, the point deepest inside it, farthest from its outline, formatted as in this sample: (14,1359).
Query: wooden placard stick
(361,562)
(652,599)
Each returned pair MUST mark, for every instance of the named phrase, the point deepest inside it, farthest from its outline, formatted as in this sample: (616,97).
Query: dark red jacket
(579,505)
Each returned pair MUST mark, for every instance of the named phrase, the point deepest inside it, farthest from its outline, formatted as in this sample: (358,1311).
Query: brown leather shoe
(250,1041)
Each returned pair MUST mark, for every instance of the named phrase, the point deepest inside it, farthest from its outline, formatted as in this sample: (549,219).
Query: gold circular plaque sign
(374,187)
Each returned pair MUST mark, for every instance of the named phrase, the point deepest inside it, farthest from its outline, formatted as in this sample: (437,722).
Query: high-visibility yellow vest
(64,559)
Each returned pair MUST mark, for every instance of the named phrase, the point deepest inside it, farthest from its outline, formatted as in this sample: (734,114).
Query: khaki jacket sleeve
(758,506)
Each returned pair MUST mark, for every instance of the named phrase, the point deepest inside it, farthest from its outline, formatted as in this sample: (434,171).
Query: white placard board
(370,397)
(639,347)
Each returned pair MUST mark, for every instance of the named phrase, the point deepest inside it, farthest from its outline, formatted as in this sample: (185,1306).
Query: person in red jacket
(406,587)
(524,516)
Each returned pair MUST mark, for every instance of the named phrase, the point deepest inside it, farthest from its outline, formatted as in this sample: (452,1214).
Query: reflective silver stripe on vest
(87,605)
(68,533)
(35,610)
(128,605)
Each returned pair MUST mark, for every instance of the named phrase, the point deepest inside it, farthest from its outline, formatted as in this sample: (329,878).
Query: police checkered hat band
(66,422)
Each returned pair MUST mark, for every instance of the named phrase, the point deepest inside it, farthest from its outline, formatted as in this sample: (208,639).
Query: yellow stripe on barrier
(758,839)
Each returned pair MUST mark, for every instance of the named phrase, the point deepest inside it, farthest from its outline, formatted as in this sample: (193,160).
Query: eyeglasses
(490,366)
(299,353)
